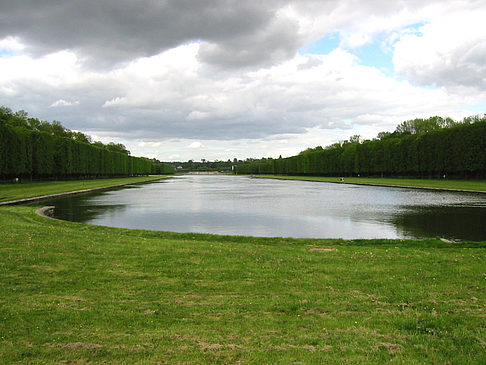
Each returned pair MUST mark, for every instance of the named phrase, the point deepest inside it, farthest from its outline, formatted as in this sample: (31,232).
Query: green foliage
(204,165)
(117,147)
(30,148)
(161,168)
(418,126)
(427,148)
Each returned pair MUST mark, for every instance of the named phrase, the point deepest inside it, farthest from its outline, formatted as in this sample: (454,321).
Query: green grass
(471,185)
(10,192)
(74,293)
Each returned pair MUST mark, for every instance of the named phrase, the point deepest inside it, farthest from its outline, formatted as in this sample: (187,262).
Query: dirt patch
(74,299)
(216,346)
(322,249)
(392,348)
(317,311)
(45,268)
(67,306)
(47,211)
(75,345)
(310,348)
(210,346)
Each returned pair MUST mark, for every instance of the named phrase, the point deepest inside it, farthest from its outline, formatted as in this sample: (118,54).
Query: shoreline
(71,193)
(370,184)
(46,211)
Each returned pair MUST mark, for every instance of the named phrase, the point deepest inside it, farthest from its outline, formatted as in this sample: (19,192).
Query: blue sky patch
(324,45)
(414,28)
(6,52)
(373,55)
(478,108)
(369,55)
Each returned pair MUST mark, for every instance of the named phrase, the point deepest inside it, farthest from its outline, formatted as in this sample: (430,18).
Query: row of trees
(27,151)
(21,119)
(205,165)
(419,148)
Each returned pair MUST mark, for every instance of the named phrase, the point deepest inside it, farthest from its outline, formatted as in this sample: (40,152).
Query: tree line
(35,149)
(206,165)
(422,148)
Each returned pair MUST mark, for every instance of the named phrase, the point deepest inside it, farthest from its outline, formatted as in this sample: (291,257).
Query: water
(239,205)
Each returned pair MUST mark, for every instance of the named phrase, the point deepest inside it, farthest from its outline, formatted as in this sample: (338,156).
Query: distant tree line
(35,149)
(205,165)
(425,148)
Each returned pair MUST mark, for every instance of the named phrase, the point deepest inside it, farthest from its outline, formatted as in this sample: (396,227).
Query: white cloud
(149,144)
(150,155)
(195,115)
(449,51)
(10,45)
(54,69)
(62,102)
(118,101)
(175,157)
(196,145)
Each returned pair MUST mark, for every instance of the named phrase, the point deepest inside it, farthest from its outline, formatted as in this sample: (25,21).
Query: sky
(222,79)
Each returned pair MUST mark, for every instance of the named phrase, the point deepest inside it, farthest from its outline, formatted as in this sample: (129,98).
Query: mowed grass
(471,185)
(24,190)
(74,293)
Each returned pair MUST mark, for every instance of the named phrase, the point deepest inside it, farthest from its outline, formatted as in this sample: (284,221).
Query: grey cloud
(462,69)
(159,125)
(448,52)
(158,122)
(473,62)
(264,47)
(233,33)
(107,32)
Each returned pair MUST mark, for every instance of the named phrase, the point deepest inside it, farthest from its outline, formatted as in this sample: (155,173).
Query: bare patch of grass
(392,348)
(322,249)
(75,345)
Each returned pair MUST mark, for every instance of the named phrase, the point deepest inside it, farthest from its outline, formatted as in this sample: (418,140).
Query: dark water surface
(238,205)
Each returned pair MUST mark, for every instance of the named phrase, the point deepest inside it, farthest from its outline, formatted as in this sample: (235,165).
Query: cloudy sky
(218,79)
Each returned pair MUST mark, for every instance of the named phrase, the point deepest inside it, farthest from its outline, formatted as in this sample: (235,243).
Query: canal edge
(377,185)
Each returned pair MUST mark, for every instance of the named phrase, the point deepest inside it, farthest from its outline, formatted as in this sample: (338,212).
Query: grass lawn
(472,185)
(24,190)
(74,293)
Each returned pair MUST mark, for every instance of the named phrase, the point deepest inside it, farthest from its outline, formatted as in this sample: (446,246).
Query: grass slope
(73,293)
(470,185)
(10,192)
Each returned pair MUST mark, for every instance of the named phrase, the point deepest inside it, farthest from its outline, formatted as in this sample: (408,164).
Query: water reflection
(467,223)
(83,208)
(243,206)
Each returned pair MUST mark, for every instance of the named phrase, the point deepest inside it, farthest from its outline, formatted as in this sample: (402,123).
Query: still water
(239,205)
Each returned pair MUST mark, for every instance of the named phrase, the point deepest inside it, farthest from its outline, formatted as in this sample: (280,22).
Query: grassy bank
(469,185)
(73,293)
(24,190)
